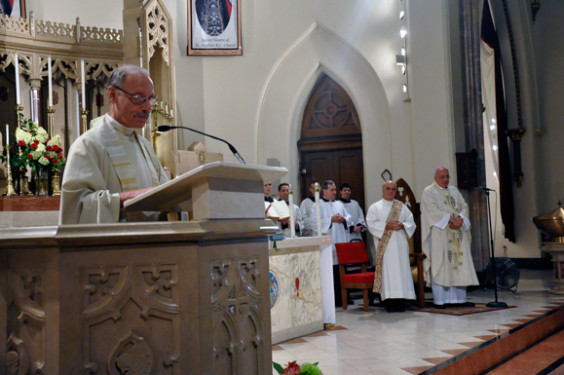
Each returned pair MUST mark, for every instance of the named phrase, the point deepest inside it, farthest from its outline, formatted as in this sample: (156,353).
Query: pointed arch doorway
(330,144)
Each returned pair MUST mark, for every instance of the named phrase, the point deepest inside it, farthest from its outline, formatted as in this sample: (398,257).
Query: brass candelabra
(84,119)
(10,188)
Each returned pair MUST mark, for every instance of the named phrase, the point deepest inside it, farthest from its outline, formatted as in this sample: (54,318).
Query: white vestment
(306,209)
(106,160)
(357,217)
(397,281)
(297,219)
(447,265)
(337,231)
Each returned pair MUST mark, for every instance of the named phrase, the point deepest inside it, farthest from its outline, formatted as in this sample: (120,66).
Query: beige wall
(256,100)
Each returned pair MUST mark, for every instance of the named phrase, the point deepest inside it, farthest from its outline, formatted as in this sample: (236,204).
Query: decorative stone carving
(157,30)
(128,304)
(132,355)
(237,332)
(26,317)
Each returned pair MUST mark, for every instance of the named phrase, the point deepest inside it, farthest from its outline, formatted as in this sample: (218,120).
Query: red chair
(355,254)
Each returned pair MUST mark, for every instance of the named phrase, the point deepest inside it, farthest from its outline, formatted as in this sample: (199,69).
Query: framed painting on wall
(14,8)
(214,27)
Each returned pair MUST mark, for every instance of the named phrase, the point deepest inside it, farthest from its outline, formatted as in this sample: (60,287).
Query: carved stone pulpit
(184,297)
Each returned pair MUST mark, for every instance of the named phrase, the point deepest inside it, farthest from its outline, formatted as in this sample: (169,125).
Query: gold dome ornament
(552,223)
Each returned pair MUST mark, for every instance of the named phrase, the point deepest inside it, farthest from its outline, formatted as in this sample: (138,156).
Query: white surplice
(306,209)
(397,281)
(337,231)
(357,218)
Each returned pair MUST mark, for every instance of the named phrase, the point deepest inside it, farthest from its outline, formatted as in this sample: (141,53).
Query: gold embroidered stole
(148,159)
(394,214)
(121,160)
(454,236)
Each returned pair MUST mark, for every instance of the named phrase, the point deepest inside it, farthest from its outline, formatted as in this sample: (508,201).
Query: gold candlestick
(154,133)
(19,115)
(24,183)
(56,183)
(50,120)
(10,187)
(84,113)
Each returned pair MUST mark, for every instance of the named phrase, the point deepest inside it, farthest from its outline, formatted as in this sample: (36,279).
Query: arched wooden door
(330,145)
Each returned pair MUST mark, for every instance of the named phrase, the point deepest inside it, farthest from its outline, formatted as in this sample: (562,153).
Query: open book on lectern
(214,190)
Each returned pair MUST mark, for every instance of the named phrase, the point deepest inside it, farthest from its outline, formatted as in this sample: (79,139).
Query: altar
(302,300)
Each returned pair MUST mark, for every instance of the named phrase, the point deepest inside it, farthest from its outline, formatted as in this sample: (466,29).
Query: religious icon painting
(214,27)
(13,8)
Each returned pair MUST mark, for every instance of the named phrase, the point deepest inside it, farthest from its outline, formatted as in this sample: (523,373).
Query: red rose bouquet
(292,368)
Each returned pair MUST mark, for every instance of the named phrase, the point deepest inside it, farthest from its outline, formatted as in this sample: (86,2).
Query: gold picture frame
(214,27)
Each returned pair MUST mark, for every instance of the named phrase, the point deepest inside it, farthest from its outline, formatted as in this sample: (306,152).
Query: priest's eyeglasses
(138,99)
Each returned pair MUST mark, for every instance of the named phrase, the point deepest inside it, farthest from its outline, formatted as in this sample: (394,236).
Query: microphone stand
(495,303)
(165,128)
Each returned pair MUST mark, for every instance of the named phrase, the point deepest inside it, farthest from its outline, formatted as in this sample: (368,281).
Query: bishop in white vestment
(446,237)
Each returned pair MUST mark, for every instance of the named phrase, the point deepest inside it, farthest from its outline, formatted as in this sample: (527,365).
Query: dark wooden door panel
(340,166)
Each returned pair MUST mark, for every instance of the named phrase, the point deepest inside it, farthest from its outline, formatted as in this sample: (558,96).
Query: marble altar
(301,287)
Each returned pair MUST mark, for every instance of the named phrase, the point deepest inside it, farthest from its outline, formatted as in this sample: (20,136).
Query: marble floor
(377,342)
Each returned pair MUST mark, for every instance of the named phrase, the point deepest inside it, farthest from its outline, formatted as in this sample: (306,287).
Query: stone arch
(287,89)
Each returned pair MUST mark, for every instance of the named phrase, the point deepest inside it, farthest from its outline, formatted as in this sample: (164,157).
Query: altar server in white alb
(391,224)
(445,228)
(334,222)
(354,209)
(110,163)
(334,218)
(306,208)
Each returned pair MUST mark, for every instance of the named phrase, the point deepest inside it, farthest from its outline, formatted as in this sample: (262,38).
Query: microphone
(483,188)
(165,128)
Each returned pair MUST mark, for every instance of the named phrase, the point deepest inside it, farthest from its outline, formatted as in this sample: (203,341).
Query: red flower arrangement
(292,368)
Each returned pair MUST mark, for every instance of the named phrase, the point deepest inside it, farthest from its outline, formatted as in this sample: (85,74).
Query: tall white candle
(17,68)
(292,219)
(83,83)
(317,209)
(7,134)
(49,79)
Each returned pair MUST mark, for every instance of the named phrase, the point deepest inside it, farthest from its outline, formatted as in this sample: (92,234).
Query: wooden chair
(416,256)
(355,253)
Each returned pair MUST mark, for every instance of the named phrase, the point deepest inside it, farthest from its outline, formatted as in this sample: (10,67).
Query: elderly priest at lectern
(110,163)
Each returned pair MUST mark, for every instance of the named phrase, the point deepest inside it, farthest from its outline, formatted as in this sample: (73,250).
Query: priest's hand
(126,195)
(455,223)
(337,219)
(394,225)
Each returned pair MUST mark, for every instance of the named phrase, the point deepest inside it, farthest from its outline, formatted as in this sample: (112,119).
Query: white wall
(256,100)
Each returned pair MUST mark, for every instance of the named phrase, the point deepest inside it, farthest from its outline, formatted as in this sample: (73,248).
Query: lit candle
(317,209)
(50,77)
(7,134)
(291,205)
(17,68)
(171,113)
(83,83)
